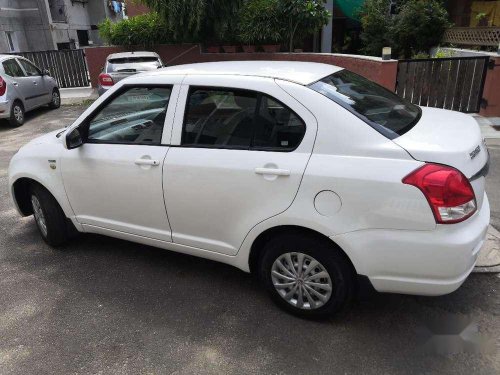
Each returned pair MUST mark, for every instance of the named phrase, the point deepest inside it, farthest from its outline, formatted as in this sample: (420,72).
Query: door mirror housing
(74,139)
(45,72)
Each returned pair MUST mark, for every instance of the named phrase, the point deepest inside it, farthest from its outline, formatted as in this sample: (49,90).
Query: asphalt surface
(108,306)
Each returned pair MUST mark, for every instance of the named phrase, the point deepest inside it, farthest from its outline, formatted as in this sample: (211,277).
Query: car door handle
(273,171)
(35,83)
(147,162)
(15,83)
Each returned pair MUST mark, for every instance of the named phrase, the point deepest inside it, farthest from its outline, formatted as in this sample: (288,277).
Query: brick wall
(382,72)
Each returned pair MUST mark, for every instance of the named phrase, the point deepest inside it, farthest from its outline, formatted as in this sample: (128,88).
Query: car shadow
(5,126)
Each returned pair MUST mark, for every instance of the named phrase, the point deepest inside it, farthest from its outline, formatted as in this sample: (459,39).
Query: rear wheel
(16,114)
(307,276)
(49,217)
(56,99)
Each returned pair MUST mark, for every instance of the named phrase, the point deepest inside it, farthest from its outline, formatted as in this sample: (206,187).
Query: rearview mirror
(74,139)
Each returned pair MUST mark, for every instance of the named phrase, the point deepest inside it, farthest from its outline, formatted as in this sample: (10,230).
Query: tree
(302,18)
(195,20)
(284,21)
(417,26)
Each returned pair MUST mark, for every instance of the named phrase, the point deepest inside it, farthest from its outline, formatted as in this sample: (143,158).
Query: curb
(489,256)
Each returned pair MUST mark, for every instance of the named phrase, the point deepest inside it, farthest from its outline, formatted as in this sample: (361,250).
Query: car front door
(242,146)
(114,180)
(35,90)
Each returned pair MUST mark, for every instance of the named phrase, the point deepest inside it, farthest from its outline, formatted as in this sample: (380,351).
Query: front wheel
(307,276)
(49,217)
(56,99)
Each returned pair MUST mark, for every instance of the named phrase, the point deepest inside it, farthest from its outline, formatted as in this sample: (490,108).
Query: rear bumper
(418,262)
(4,109)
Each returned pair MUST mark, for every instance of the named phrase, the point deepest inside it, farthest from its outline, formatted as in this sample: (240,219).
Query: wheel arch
(261,240)
(21,194)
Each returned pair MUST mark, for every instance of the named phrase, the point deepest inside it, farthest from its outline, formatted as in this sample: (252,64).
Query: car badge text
(474,152)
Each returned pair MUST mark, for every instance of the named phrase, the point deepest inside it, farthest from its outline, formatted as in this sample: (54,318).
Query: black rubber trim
(36,96)
(483,172)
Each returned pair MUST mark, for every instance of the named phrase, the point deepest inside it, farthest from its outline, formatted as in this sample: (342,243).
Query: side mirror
(45,72)
(74,139)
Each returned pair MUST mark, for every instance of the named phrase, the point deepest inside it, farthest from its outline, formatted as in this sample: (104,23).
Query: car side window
(134,116)
(219,118)
(12,68)
(30,69)
(242,119)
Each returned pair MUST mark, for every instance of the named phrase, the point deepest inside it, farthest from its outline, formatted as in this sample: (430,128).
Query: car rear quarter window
(12,68)
(134,116)
(241,119)
(380,108)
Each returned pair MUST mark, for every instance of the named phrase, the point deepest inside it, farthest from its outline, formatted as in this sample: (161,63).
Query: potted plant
(213,49)
(229,48)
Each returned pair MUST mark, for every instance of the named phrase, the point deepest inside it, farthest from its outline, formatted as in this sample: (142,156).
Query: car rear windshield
(132,64)
(378,107)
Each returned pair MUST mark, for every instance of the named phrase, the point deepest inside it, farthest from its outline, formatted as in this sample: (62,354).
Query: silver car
(122,65)
(24,87)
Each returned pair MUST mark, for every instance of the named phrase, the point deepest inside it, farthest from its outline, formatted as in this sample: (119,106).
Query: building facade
(40,25)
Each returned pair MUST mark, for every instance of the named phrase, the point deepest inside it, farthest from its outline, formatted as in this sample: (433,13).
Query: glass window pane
(381,108)
(134,116)
(219,118)
(277,126)
(31,70)
(12,68)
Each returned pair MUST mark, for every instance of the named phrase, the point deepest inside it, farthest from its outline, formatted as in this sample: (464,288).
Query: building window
(83,37)
(12,41)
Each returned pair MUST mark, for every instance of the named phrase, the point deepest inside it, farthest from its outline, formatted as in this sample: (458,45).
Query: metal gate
(454,83)
(68,67)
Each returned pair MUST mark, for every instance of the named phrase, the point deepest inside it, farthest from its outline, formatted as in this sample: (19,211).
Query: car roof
(303,73)
(132,54)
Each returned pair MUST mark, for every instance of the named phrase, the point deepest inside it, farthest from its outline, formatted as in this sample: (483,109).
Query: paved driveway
(113,307)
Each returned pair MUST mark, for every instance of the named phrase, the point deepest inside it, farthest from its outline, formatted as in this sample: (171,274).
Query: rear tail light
(3,86)
(105,80)
(447,190)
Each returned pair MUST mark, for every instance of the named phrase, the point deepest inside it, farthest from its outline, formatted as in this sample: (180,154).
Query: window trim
(85,124)
(251,147)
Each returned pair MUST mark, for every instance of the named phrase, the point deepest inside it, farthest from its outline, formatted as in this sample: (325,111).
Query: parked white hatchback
(306,174)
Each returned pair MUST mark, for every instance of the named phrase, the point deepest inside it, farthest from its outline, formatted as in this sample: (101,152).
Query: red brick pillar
(491,92)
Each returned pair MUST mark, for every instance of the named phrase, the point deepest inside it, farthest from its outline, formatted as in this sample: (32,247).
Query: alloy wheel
(18,114)
(39,216)
(301,280)
(56,99)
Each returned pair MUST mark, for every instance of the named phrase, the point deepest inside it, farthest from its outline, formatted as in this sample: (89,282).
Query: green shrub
(145,30)
(417,26)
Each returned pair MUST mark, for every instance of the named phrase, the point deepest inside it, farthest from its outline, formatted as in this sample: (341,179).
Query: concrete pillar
(326,32)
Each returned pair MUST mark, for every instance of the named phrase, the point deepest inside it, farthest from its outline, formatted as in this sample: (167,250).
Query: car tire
(320,303)
(49,217)
(16,114)
(55,99)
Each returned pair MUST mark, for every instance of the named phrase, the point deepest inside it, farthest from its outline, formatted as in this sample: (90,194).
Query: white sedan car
(306,174)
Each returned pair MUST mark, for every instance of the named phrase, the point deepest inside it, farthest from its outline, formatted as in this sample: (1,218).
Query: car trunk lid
(450,138)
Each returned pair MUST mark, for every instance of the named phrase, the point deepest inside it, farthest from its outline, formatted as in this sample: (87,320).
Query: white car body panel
(345,183)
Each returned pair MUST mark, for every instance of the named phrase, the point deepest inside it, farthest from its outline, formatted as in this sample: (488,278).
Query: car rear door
(240,146)
(114,180)
(19,82)
(37,92)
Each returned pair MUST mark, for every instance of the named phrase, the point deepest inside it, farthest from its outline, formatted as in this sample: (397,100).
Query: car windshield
(133,64)
(382,109)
